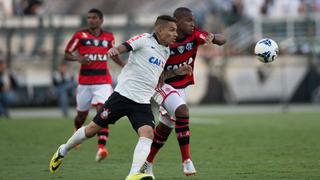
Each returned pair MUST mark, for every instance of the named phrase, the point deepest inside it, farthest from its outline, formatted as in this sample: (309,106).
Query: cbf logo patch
(180,49)
(105,113)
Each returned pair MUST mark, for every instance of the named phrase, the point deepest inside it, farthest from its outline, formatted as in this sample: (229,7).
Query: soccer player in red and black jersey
(89,47)
(174,112)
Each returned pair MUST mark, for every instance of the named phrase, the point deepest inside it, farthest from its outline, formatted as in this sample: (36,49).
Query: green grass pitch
(238,146)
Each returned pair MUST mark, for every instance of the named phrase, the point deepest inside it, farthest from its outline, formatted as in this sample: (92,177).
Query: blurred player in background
(174,112)
(131,98)
(89,47)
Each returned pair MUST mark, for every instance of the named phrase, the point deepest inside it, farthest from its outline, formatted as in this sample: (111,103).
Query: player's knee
(81,116)
(182,111)
(163,129)
(146,131)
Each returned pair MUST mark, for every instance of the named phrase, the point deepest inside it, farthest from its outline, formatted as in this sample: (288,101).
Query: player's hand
(83,60)
(183,70)
(113,52)
(208,38)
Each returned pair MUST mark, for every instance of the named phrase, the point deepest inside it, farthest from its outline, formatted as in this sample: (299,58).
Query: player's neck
(156,36)
(181,36)
(95,31)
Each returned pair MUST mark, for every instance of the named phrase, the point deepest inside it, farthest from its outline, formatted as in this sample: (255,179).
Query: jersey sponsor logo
(88,43)
(156,61)
(105,113)
(176,66)
(96,57)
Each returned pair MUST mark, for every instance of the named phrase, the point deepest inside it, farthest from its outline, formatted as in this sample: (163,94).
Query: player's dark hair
(181,12)
(163,19)
(97,12)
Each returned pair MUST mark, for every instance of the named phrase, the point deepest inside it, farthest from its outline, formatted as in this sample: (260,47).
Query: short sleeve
(74,43)
(111,45)
(137,42)
(200,35)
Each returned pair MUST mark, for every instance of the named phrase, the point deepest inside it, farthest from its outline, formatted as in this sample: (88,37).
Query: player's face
(186,24)
(168,33)
(93,21)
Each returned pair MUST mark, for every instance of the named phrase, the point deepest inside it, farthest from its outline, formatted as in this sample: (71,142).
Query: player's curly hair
(181,11)
(96,11)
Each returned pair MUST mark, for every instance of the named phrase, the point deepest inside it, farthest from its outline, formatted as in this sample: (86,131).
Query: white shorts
(169,100)
(92,95)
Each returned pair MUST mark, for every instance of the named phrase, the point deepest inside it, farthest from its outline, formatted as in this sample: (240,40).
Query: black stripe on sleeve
(128,46)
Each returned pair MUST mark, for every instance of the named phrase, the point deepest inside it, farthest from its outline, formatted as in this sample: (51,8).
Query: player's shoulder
(107,33)
(198,31)
(139,36)
(81,33)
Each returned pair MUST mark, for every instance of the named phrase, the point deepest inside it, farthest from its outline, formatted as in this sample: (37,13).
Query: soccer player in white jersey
(131,97)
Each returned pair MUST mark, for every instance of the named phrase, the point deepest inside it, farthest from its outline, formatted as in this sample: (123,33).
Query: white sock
(140,155)
(77,138)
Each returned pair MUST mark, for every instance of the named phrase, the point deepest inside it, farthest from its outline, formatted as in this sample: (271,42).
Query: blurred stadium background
(34,34)
(238,125)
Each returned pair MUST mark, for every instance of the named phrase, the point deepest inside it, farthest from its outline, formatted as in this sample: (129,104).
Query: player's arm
(211,38)
(183,70)
(72,46)
(116,51)
(219,39)
(70,57)
(118,60)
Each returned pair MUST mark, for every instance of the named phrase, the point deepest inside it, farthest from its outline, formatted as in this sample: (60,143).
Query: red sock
(158,141)
(103,136)
(183,136)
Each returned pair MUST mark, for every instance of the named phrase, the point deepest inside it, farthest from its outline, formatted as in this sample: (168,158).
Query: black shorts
(118,106)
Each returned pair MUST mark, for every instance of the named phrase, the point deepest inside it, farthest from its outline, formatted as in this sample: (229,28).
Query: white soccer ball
(266,50)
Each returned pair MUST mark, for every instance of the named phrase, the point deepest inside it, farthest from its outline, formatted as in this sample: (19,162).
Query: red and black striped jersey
(95,48)
(184,52)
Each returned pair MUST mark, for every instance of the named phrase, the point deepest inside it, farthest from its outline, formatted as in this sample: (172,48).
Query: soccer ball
(266,50)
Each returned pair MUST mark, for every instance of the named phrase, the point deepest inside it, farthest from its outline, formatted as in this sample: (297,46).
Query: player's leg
(83,98)
(100,94)
(170,100)
(176,107)
(102,118)
(77,138)
(161,134)
(183,132)
(142,121)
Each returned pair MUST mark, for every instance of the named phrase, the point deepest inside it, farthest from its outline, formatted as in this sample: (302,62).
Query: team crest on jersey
(180,49)
(105,43)
(105,113)
(96,42)
(189,46)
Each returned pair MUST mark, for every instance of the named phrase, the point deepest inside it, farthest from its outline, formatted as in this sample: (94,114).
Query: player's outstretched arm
(183,70)
(70,57)
(115,51)
(219,39)
(118,60)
